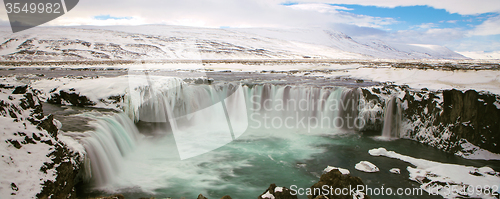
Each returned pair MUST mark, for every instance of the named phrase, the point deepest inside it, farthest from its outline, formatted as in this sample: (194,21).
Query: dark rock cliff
(443,119)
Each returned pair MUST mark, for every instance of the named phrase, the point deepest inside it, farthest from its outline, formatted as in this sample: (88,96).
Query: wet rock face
(24,107)
(67,172)
(472,116)
(375,122)
(455,116)
(336,180)
(443,119)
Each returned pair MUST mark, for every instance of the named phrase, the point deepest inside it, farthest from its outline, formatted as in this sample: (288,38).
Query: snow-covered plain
(484,80)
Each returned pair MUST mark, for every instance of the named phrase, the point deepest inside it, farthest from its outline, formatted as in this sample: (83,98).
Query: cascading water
(114,137)
(392,119)
(202,118)
(302,108)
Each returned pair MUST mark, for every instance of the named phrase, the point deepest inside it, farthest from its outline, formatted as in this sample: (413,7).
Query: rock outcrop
(472,116)
(72,98)
(35,162)
(442,119)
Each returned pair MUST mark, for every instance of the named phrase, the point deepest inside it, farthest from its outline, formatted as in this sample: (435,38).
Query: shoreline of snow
(447,180)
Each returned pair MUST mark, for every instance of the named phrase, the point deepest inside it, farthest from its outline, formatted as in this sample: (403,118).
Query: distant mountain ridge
(374,48)
(159,42)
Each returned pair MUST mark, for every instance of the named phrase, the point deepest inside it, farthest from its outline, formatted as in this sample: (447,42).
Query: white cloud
(424,26)
(253,13)
(448,37)
(335,14)
(319,7)
(476,43)
(217,13)
(489,27)
(436,36)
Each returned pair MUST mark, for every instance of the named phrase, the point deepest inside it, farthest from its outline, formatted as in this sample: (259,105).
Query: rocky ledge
(36,162)
(460,122)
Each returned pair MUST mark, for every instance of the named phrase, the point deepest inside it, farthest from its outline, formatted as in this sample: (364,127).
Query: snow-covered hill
(155,42)
(375,49)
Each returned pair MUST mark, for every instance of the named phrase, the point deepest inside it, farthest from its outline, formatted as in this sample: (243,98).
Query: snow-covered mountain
(374,49)
(153,42)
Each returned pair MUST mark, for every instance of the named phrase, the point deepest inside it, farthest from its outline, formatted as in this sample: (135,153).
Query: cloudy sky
(461,25)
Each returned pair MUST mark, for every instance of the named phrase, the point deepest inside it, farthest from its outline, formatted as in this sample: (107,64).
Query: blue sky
(107,17)
(411,17)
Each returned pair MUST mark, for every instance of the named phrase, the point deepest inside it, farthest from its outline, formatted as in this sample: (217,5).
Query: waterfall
(392,119)
(114,137)
(204,117)
(302,108)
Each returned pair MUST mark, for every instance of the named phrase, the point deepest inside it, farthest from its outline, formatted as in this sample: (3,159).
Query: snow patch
(473,152)
(21,167)
(367,167)
(268,195)
(497,104)
(330,168)
(395,171)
